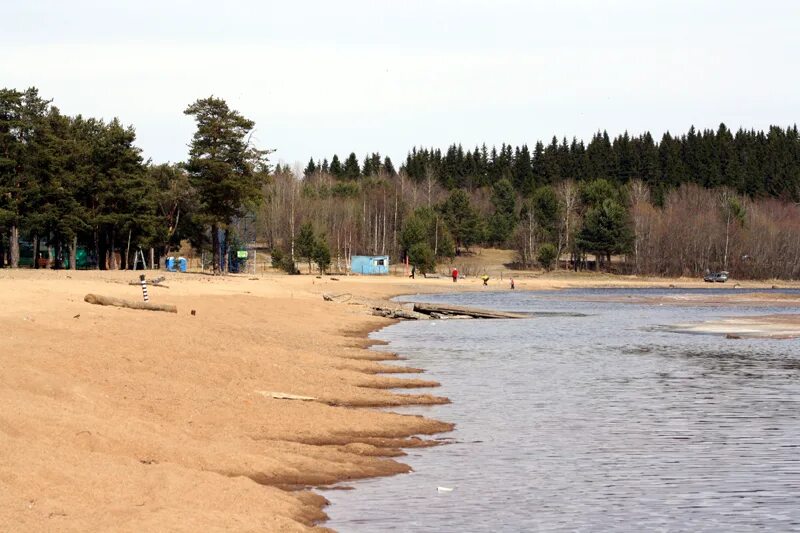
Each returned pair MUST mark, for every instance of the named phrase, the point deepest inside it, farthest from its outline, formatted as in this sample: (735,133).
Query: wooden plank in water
(458,310)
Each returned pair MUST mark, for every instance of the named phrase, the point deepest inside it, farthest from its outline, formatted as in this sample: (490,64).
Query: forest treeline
(752,163)
(702,200)
(78,190)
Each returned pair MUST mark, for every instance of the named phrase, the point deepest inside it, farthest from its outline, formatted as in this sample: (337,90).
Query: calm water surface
(593,423)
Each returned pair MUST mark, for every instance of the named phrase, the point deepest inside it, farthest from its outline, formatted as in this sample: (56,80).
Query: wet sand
(747,327)
(768,326)
(130,420)
(751,299)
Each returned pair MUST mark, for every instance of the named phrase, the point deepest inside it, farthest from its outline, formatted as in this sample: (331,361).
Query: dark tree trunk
(35,252)
(97,250)
(113,261)
(215,246)
(73,254)
(226,251)
(13,247)
(57,255)
(102,251)
(128,253)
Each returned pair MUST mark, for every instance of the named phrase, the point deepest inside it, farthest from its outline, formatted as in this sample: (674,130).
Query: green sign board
(241,254)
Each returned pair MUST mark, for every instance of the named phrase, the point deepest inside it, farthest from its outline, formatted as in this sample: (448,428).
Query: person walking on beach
(455,275)
(413,271)
(512,284)
(485,279)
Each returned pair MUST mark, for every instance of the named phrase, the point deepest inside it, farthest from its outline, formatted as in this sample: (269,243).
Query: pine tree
(321,254)
(22,117)
(606,230)
(304,243)
(462,220)
(224,169)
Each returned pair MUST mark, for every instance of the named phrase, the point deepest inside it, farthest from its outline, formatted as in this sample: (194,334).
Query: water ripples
(587,423)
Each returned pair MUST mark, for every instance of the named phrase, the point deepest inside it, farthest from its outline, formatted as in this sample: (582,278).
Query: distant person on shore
(455,275)
(413,271)
(512,284)
(485,279)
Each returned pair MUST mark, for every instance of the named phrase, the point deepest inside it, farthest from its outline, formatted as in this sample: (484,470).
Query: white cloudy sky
(324,77)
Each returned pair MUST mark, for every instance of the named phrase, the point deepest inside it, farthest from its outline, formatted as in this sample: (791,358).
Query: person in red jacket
(455,275)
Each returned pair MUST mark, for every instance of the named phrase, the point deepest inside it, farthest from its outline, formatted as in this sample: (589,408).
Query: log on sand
(119,302)
(461,311)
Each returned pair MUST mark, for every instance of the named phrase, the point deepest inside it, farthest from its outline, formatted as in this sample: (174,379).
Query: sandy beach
(130,420)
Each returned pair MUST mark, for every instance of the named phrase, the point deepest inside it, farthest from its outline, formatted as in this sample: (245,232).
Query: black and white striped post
(144,288)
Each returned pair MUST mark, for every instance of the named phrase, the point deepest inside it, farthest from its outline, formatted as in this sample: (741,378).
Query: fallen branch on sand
(285,396)
(152,283)
(339,298)
(119,302)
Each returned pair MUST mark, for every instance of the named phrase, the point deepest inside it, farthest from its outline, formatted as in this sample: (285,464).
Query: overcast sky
(324,77)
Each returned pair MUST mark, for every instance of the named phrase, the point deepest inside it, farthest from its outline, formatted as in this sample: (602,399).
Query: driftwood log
(155,282)
(339,298)
(460,311)
(285,396)
(119,302)
(149,284)
(398,313)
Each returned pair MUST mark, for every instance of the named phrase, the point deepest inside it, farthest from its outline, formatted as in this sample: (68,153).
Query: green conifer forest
(688,202)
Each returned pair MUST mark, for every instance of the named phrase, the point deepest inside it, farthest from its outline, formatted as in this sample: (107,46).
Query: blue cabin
(369,264)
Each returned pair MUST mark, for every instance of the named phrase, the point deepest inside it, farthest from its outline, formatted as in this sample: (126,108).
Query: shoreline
(166,422)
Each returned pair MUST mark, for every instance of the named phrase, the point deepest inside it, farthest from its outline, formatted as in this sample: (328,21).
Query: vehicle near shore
(718,277)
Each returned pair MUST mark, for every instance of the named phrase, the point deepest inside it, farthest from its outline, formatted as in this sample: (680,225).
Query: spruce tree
(546,211)
(388,167)
(337,171)
(351,169)
(310,169)
(523,171)
(369,169)
(503,220)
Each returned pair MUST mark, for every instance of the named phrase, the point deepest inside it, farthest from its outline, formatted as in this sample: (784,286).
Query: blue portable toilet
(369,264)
(182,264)
(170,264)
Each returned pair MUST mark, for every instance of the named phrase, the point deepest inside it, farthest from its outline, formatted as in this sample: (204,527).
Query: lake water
(602,422)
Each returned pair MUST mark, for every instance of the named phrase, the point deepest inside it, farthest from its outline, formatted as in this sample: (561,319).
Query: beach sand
(131,420)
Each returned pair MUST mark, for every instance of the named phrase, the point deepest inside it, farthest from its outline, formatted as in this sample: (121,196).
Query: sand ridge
(129,420)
